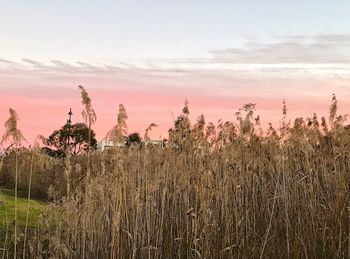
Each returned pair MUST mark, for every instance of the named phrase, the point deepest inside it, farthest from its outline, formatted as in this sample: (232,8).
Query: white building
(106,144)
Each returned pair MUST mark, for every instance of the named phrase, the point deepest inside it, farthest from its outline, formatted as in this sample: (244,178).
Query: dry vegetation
(215,191)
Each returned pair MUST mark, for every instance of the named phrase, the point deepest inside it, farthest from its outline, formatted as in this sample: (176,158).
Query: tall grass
(90,118)
(34,153)
(15,137)
(120,130)
(229,190)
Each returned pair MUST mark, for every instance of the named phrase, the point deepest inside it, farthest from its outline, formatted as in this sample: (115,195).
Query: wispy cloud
(317,49)
(34,63)
(291,55)
(6,61)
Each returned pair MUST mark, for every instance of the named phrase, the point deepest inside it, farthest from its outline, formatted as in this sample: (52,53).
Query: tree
(133,138)
(74,137)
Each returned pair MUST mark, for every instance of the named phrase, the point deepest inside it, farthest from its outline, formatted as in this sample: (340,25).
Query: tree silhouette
(74,138)
(133,138)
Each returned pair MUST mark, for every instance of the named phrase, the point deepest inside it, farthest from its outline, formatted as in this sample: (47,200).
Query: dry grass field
(226,190)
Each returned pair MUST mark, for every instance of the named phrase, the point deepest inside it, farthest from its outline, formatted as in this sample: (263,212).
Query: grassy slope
(7,212)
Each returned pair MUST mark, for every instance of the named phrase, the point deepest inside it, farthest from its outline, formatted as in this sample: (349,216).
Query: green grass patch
(7,209)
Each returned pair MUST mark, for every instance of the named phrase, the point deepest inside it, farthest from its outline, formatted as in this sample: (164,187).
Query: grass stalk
(28,203)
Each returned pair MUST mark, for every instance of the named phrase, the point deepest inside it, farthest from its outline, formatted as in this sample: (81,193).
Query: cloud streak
(290,55)
(317,49)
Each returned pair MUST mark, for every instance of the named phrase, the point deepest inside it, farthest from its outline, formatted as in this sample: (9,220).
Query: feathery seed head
(12,133)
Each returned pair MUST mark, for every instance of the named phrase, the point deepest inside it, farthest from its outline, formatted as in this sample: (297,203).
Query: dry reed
(215,191)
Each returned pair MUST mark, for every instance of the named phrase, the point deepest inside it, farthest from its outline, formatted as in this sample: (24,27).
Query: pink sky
(43,94)
(151,55)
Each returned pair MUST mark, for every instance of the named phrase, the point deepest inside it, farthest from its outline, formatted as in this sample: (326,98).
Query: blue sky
(119,30)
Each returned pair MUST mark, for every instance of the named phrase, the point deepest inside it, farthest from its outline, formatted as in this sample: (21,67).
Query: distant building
(106,144)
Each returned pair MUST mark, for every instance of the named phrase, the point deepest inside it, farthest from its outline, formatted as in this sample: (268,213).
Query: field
(7,210)
(230,190)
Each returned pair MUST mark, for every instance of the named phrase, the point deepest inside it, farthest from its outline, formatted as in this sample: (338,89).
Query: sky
(152,55)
